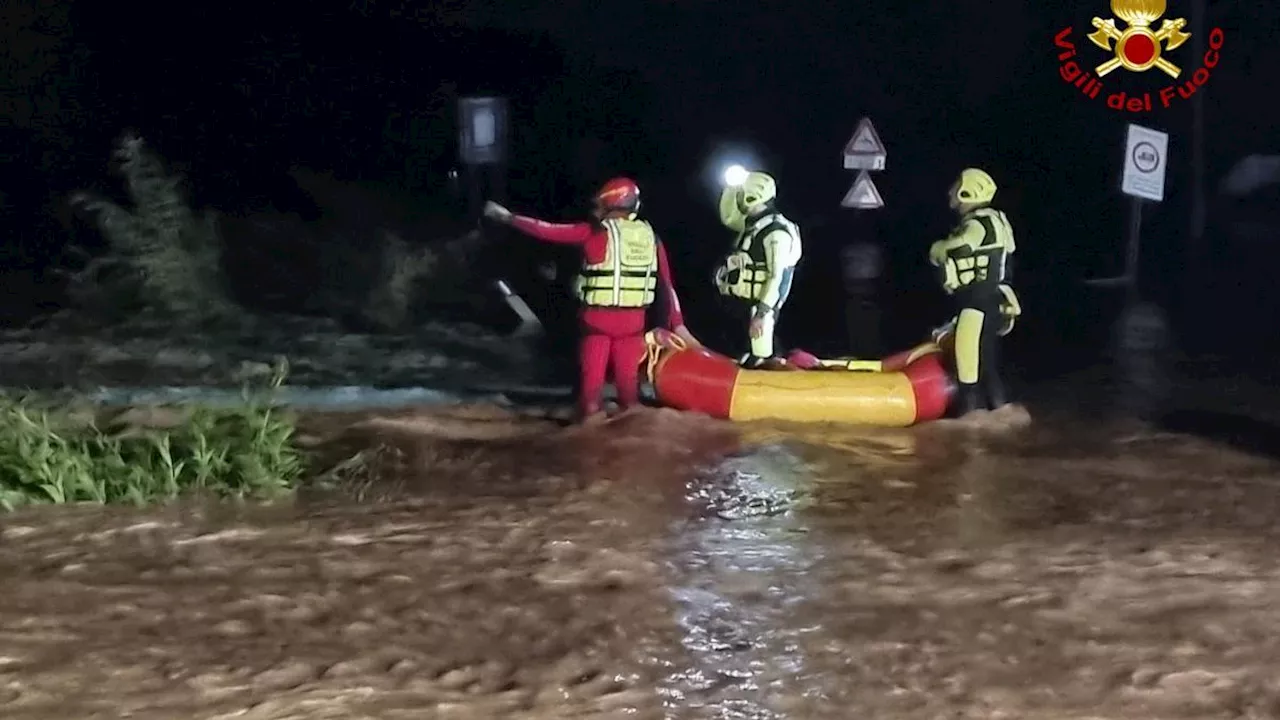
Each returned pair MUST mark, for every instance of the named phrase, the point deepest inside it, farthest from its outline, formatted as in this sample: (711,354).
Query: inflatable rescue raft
(901,390)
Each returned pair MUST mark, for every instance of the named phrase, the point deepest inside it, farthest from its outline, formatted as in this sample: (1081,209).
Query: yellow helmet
(730,216)
(975,187)
(737,203)
(756,190)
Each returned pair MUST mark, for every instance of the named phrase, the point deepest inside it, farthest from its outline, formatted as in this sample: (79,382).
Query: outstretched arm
(561,233)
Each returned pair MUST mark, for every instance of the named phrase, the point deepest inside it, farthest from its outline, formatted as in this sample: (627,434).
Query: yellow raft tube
(899,391)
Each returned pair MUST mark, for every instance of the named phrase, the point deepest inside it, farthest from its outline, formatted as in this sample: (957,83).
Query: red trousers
(612,340)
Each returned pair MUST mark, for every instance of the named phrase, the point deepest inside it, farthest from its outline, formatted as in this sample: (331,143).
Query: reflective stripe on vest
(986,264)
(745,273)
(628,277)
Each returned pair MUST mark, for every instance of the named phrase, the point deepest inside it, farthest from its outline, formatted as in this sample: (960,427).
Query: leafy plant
(48,455)
(390,304)
(161,252)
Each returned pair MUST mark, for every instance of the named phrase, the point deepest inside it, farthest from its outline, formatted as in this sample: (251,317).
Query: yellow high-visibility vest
(745,272)
(628,277)
(977,253)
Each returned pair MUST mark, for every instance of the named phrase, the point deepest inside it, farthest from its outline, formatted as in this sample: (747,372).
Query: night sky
(237,93)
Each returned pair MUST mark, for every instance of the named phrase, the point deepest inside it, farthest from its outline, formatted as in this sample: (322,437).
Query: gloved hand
(1010,309)
(683,333)
(942,331)
(758,315)
(496,212)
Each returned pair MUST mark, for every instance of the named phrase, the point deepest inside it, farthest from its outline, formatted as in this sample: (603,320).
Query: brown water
(500,566)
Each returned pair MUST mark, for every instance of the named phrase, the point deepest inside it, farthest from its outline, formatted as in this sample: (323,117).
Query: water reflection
(743,567)
(826,573)
(808,522)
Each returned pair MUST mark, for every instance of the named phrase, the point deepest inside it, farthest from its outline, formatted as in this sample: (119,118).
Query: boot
(777,363)
(995,393)
(968,399)
(755,362)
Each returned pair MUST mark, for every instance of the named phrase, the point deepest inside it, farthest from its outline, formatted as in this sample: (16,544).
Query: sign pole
(861,267)
(483,138)
(861,261)
(1141,334)
(482,147)
(498,182)
(1145,164)
(1195,239)
(475,191)
(1134,252)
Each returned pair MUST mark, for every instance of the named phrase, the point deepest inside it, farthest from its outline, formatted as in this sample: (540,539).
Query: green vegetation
(404,267)
(161,253)
(54,454)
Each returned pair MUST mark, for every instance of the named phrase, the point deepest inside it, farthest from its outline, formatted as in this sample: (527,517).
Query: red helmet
(620,194)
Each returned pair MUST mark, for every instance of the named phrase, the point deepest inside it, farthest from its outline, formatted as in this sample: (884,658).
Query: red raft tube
(905,389)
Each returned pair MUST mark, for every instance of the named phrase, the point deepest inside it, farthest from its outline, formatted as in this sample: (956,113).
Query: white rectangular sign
(482,130)
(1146,159)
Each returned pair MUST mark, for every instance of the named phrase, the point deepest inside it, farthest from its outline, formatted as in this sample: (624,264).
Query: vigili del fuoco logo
(1136,47)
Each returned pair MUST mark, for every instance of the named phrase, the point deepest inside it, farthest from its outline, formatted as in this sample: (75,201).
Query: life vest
(985,265)
(628,277)
(745,272)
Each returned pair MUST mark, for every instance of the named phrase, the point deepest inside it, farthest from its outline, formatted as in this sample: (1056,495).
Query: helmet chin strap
(613,213)
(761,209)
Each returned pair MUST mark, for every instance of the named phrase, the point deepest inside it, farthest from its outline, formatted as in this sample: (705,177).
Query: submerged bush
(390,304)
(50,455)
(161,253)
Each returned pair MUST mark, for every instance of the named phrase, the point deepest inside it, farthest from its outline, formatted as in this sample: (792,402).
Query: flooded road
(668,566)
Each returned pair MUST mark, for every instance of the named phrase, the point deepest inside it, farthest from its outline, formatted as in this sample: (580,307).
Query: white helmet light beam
(735,175)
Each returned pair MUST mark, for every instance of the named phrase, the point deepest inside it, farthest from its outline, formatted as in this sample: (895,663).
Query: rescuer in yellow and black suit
(759,271)
(974,263)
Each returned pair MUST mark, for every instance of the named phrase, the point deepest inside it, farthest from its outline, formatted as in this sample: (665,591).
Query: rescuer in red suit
(624,268)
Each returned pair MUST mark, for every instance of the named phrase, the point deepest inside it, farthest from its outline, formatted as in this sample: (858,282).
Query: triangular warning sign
(864,195)
(865,140)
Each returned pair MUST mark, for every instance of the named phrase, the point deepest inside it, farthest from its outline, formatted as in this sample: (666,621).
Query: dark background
(237,93)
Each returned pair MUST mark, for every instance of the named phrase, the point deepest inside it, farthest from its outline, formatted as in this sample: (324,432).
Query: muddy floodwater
(480,564)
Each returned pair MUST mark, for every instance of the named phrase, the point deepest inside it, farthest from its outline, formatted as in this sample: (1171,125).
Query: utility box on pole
(483,148)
